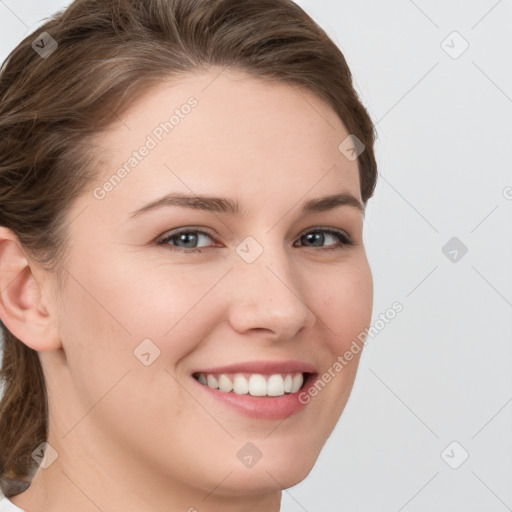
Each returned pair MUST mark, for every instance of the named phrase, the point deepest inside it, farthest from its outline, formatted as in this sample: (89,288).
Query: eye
(189,240)
(185,240)
(318,237)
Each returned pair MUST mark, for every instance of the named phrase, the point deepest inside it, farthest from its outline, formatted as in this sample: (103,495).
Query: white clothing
(6,505)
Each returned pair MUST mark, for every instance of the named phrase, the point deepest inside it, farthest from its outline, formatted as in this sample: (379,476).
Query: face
(155,295)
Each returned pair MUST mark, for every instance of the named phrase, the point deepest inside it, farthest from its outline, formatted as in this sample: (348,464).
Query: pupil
(315,237)
(188,238)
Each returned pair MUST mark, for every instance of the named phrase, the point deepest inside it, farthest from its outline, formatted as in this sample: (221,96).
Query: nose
(269,296)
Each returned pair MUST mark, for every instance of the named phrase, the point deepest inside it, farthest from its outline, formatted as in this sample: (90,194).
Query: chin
(275,471)
(264,480)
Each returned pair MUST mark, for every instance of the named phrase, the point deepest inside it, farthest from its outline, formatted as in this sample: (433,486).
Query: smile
(255,384)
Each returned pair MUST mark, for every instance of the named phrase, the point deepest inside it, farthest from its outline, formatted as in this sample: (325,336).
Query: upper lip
(263,367)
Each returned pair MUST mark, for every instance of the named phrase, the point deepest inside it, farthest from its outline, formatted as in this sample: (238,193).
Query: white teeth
(298,380)
(240,385)
(212,382)
(275,385)
(288,384)
(255,384)
(225,384)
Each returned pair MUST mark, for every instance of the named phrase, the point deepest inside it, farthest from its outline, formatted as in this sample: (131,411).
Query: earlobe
(22,309)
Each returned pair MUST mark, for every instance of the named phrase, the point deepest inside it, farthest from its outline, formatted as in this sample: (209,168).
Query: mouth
(255,384)
(268,390)
(260,390)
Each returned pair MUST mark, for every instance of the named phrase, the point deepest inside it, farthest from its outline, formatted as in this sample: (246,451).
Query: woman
(182,269)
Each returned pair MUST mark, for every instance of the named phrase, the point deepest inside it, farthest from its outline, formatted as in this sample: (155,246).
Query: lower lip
(261,407)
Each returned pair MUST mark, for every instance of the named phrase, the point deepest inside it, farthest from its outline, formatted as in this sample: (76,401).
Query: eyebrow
(228,206)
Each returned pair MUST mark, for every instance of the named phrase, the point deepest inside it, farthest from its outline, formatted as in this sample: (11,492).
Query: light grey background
(440,372)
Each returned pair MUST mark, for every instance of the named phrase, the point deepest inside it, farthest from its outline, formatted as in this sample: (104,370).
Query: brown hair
(109,52)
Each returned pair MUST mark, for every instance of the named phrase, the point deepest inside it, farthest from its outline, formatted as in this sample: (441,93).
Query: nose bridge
(268,293)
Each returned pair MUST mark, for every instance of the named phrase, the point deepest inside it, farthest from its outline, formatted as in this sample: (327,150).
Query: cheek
(109,311)
(344,302)
(114,307)
(344,309)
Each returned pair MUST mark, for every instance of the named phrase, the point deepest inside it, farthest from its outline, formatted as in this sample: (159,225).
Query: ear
(22,308)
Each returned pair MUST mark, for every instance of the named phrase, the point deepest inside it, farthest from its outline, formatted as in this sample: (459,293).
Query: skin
(136,437)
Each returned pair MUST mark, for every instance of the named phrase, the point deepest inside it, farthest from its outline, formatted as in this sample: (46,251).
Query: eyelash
(344,239)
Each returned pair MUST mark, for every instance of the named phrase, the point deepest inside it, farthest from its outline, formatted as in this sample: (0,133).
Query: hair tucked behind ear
(109,52)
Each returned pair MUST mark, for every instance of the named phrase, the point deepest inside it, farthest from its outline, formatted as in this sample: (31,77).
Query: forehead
(226,131)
